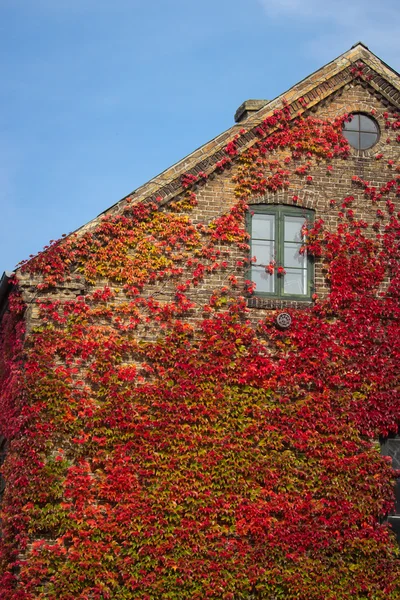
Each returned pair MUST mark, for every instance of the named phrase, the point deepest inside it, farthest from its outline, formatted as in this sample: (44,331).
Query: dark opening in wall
(3,451)
(390,446)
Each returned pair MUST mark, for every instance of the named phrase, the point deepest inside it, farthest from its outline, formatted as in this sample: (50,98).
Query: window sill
(277,303)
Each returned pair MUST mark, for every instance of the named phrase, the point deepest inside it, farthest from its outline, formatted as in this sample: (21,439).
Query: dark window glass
(3,449)
(367,124)
(354,124)
(391,447)
(367,140)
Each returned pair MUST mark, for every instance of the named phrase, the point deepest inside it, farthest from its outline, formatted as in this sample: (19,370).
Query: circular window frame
(361,132)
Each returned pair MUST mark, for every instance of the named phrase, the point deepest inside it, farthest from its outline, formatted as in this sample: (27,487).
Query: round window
(361,132)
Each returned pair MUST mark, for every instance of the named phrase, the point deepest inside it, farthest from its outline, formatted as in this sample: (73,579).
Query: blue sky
(98,96)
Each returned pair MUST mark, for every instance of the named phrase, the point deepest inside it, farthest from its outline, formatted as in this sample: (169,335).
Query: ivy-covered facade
(199,387)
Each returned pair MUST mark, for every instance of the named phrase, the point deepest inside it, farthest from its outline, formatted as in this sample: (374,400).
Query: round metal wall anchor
(284,320)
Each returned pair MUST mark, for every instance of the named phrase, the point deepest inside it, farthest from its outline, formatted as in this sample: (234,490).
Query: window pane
(394,522)
(295,281)
(367,140)
(293,227)
(264,281)
(292,257)
(352,138)
(367,124)
(354,124)
(263,227)
(391,447)
(263,251)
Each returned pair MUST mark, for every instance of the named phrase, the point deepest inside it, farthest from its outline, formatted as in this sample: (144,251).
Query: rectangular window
(391,447)
(3,451)
(281,267)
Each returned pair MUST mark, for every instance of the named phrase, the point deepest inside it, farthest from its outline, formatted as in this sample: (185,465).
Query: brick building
(90,318)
